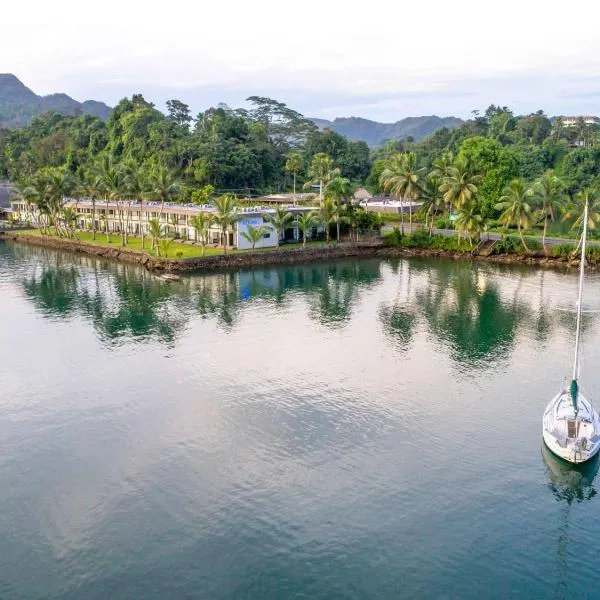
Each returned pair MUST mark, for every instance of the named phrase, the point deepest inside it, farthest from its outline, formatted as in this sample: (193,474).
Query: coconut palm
(155,229)
(433,200)
(112,182)
(517,206)
(89,186)
(400,177)
(280,219)
(321,171)
(255,234)
(575,209)
(459,186)
(550,193)
(340,190)
(326,215)
(293,164)
(306,222)
(441,166)
(226,215)
(68,216)
(163,186)
(165,245)
(469,221)
(137,185)
(201,224)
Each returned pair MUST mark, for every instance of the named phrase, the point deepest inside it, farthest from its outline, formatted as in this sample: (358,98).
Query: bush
(509,244)
(442,222)
(393,239)
(563,250)
(179,253)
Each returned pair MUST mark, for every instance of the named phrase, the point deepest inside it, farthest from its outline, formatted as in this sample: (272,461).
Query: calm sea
(363,429)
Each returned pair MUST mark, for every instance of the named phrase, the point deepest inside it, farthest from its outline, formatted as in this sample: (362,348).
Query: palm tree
(201,224)
(255,234)
(459,186)
(155,229)
(400,177)
(339,189)
(441,166)
(550,193)
(68,216)
(280,219)
(517,207)
(576,207)
(112,184)
(306,222)
(434,200)
(293,164)
(469,221)
(163,187)
(90,187)
(321,171)
(227,214)
(165,245)
(137,185)
(326,215)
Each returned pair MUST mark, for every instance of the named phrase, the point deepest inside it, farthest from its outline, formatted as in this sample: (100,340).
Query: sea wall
(240,260)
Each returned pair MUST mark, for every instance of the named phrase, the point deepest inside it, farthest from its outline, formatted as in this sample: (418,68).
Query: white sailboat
(571,426)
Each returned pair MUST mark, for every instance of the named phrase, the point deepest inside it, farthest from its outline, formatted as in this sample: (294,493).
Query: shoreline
(249,259)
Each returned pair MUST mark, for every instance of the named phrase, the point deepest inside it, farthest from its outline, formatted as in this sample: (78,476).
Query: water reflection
(474,311)
(569,484)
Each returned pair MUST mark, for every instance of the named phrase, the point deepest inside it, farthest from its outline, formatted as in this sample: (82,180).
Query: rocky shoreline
(364,249)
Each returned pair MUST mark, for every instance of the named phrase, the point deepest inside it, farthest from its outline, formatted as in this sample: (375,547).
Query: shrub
(442,222)
(563,250)
(509,244)
(393,239)
(179,253)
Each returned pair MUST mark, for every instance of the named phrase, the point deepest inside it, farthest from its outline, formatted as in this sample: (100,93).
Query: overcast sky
(382,59)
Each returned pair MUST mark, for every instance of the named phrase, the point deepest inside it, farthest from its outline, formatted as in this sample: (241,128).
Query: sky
(382,59)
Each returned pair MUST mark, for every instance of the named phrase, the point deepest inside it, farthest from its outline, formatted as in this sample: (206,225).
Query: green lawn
(176,249)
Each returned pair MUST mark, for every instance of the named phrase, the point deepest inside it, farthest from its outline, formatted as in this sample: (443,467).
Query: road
(550,241)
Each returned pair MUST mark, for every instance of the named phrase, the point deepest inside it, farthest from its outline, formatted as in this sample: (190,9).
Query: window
(266,236)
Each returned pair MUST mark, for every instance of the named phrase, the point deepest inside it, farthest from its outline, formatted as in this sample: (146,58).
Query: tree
(136,186)
(280,219)
(576,207)
(517,207)
(255,234)
(163,186)
(549,192)
(201,224)
(179,113)
(401,178)
(321,171)
(459,186)
(226,215)
(326,215)
(293,164)
(90,187)
(68,216)
(155,229)
(306,222)
(469,221)
(340,190)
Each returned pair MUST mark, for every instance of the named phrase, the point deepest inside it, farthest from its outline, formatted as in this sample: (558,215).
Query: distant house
(573,121)
(362,194)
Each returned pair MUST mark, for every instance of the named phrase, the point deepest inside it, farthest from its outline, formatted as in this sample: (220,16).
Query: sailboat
(571,426)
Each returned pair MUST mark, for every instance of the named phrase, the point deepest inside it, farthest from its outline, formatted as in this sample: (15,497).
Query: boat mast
(579,301)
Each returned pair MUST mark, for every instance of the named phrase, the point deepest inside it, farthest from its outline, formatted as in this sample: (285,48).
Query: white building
(176,219)
(572,121)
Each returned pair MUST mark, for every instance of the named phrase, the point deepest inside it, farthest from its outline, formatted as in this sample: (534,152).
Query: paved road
(489,236)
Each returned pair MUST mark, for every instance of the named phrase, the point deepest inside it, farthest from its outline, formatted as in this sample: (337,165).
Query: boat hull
(573,455)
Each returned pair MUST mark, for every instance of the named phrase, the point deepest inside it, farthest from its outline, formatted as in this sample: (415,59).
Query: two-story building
(175,219)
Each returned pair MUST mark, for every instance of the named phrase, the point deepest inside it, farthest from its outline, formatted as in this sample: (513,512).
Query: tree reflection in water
(475,311)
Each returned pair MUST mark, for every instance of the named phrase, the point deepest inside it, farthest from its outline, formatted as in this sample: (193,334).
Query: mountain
(18,104)
(375,134)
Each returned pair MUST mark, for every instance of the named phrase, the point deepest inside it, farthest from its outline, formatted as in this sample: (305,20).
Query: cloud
(383,61)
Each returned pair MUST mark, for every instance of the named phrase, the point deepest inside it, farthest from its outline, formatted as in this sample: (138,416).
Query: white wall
(255,221)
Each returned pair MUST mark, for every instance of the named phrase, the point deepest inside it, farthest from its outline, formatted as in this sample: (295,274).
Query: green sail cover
(574,390)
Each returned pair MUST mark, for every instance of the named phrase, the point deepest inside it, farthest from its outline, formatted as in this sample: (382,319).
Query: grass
(176,249)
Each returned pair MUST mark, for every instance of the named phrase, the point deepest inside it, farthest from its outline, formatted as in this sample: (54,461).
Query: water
(364,429)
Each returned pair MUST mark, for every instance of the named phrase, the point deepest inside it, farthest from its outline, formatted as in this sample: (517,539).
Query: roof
(362,194)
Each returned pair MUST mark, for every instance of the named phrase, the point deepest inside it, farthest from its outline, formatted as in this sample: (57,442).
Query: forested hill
(376,134)
(18,104)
